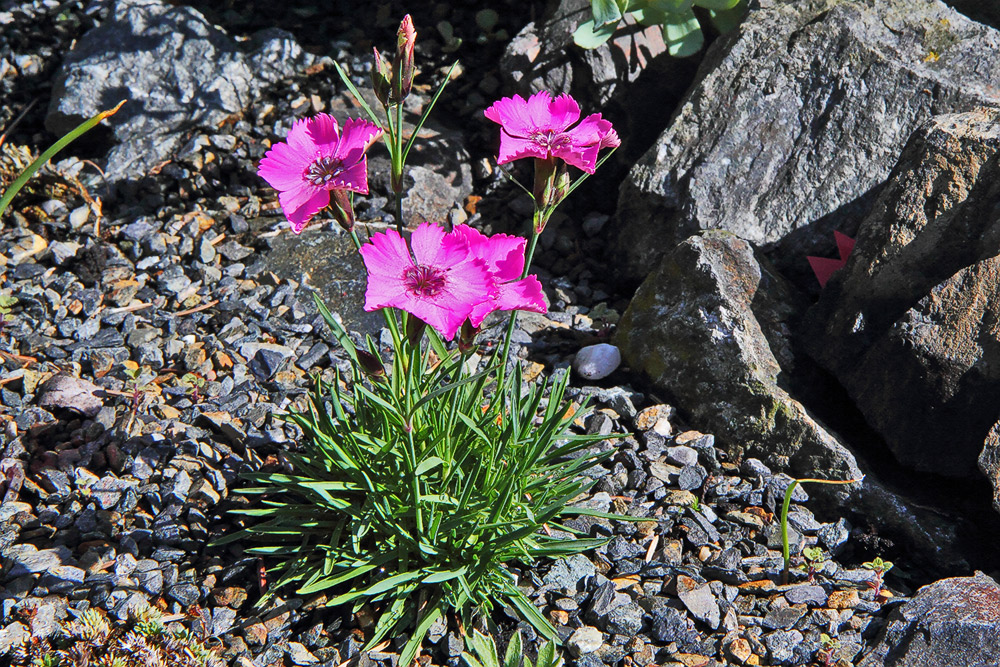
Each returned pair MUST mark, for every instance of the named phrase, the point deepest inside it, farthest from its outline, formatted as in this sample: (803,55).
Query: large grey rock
(796,119)
(543,56)
(910,326)
(950,622)
(177,71)
(710,327)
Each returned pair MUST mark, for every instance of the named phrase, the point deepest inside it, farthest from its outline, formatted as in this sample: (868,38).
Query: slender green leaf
(356,94)
(51,152)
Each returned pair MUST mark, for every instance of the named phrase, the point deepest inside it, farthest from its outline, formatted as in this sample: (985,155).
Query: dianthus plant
(423,473)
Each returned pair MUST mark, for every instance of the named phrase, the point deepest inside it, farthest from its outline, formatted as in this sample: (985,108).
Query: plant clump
(145,639)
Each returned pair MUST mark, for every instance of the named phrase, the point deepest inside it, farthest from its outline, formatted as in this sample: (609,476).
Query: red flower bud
(342,208)
(402,64)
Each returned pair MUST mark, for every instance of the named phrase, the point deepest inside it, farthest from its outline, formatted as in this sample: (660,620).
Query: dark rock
(625,620)
(797,117)
(710,325)
(950,622)
(781,644)
(268,360)
(25,559)
(784,617)
(605,600)
(919,298)
(814,596)
(62,578)
(568,574)
(186,594)
(176,69)
(699,600)
(670,625)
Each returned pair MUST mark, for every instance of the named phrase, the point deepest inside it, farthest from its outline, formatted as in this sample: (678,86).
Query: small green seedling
(195,382)
(830,647)
(7,302)
(879,567)
(486,653)
(785,552)
(814,559)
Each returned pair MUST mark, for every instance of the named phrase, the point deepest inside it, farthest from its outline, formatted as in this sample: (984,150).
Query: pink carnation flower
(539,127)
(504,257)
(440,283)
(316,159)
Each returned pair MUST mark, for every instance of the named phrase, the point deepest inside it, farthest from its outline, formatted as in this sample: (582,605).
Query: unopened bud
(402,63)
(561,187)
(467,337)
(370,365)
(545,171)
(343,210)
(381,79)
(414,330)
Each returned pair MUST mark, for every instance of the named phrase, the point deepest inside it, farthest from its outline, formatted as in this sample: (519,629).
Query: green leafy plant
(422,477)
(146,638)
(7,302)
(879,567)
(195,383)
(830,646)
(785,551)
(49,153)
(413,495)
(486,654)
(814,558)
(682,31)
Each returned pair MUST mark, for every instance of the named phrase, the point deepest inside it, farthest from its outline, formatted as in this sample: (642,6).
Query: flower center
(423,280)
(323,170)
(550,139)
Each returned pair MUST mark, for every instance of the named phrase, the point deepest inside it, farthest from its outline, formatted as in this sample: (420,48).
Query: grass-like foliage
(413,491)
(484,653)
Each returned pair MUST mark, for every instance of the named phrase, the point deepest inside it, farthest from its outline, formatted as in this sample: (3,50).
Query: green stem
(397,167)
(26,175)
(512,322)
(785,551)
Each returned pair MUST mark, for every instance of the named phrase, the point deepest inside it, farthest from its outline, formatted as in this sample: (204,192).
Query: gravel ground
(155,336)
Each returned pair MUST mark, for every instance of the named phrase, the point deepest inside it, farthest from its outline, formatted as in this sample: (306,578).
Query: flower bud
(370,365)
(414,330)
(381,76)
(342,208)
(561,186)
(467,337)
(402,64)
(545,171)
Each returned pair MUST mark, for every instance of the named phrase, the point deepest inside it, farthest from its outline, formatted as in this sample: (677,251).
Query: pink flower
(440,283)
(540,128)
(504,257)
(316,159)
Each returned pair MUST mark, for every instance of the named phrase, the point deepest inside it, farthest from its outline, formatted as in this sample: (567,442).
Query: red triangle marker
(824,268)
(845,244)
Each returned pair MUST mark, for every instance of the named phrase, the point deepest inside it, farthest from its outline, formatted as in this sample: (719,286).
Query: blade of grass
(50,152)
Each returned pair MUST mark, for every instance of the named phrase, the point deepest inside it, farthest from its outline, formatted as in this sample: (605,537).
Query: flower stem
(512,322)
(397,168)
